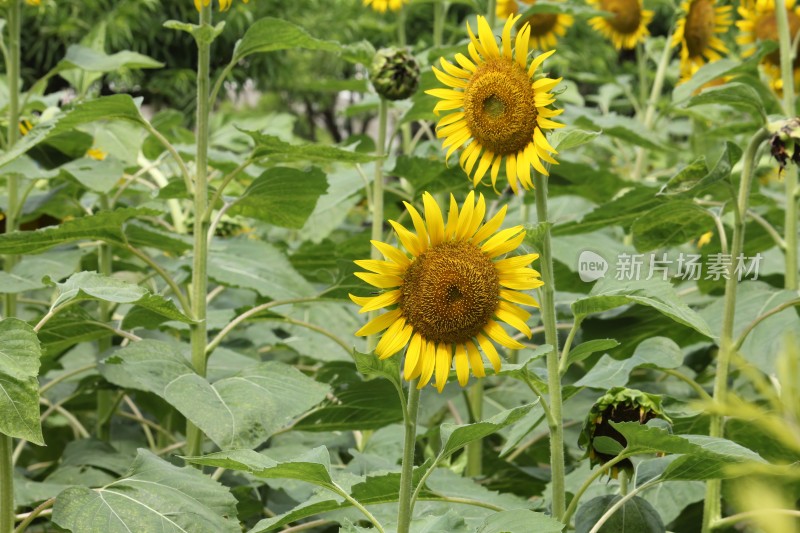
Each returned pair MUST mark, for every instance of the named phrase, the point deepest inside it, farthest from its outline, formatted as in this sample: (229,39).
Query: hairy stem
(491,12)
(405,507)
(474,449)
(439,12)
(712,506)
(377,195)
(199,335)
(548,310)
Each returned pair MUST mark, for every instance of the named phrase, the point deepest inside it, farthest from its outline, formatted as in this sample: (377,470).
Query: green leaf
(256,265)
(84,58)
(455,437)
(696,178)
(571,138)
(736,95)
(282,196)
(105,226)
(655,352)
(154,496)
(621,211)
(371,366)
(312,467)
(623,128)
(361,406)
(278,150)
(520,521)
(99,176)
(19,386)
(271,34)
(70,327)
(93,286)
(635,516)
(609,294)
(116,107)
(670,224)
(585,349)
(29,272)
(242,410)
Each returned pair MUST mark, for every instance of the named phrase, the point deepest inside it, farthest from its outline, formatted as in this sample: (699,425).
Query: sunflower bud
(783,143)
(394,73)
(619,404)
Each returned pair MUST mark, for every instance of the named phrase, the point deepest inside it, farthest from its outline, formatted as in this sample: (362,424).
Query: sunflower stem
(198,334)
(491,12)
(790,181)
(475,448)
(439,12)
(548,311)
(401,26)
(650,113)
(712,506)
(14,16)
(406,509)
(377,196)
(105,398)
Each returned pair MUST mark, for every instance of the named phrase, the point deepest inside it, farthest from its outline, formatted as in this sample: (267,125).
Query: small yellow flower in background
(381,6)
(224,5)
(96,154)
(546,28)
(704,239)
(506,8)
(757,25)
(25,126)
(33,2)
(697,33)
(627,24)
(499,111)
(448,296)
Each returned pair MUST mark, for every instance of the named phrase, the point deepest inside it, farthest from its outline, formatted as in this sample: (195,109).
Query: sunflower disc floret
(499,113)
(446,300)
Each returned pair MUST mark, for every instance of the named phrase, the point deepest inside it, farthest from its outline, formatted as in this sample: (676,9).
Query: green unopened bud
(617,405)
(394,73)
(784,140)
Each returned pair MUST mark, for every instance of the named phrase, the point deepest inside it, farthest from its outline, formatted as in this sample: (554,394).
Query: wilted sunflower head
(499,111)
(758,24)
(446,298)
(224,5)
(697,31)
(619,404)
(381,6)
(627,24)
(394,73)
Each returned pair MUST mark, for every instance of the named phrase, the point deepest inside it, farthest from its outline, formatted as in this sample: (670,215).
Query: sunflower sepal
(372,366)
(202,34)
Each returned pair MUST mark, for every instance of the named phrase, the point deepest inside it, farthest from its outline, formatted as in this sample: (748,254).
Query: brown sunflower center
(450,292)
(700,23)
(542,24)
(766,29)
(627,15)
(499,106)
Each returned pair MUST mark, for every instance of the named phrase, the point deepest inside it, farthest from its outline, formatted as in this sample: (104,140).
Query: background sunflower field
(486,266)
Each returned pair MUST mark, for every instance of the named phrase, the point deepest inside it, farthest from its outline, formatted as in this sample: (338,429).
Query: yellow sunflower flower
(381,6)
(224,5)
(506,8)
(499,111)
(33,2)
(448,297)
(627,24)
(697,33)
(546,28)
(758,24)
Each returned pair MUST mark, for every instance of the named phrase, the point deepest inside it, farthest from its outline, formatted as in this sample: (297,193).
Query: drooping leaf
(279,150)
(105,226)
(455,437)
(585,349)
(635,516)
(282,196)
(242,410)
(19,386)
(657,352)
(670,224)
(154,496)
(608,294)
(736,95)
(271,34)
(696,177)
(84,58)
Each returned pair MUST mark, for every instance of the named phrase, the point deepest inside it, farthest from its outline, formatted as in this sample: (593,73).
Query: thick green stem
(573,504)
(712,505)
(491,12)
(377,194)
(105,398)
(199,335)
(548,311)
(439,12)
(650,113)
(474,449)
(790,181)
(401,26)
(12,74)
(406,509)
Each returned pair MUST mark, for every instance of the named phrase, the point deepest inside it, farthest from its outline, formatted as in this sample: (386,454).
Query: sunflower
(627,24)
(500,113)
(506,8)
(382,5)
(697,33)
(758,24)
(224,5)
(33,2)
(448,297)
